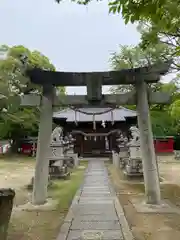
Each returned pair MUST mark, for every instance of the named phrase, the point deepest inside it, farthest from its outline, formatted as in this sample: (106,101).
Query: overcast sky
(75,38)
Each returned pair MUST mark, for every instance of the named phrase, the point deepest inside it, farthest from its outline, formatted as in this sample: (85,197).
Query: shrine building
(95,129)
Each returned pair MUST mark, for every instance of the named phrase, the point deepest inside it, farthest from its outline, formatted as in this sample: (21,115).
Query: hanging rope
(92,113)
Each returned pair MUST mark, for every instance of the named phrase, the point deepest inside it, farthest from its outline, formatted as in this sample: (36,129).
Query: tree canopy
(16,121)
(158,19)
(135,56)
(159,12)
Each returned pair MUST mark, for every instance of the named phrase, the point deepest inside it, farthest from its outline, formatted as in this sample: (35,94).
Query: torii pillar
(150,170)
(40,185)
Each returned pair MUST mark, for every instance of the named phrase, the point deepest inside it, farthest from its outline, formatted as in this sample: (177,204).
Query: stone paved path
(94,209)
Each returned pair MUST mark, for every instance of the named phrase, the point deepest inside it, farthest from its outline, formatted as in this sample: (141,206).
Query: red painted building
(164,144)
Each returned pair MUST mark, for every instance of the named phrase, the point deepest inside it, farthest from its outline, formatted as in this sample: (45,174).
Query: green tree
(161,12)
(16,121)
(160,18)
(164,13)
(152,34)
(131,57)
(175,110)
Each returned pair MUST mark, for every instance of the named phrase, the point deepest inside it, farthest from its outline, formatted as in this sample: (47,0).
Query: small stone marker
(92,235)
(116,160)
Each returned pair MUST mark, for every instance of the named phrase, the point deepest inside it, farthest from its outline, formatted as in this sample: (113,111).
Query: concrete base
(50,205)
(164,207)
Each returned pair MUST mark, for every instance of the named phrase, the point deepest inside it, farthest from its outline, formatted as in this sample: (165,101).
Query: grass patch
(45,225)
(64,191)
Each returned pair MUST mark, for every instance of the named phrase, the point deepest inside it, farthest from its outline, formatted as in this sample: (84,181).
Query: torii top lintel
(150,74)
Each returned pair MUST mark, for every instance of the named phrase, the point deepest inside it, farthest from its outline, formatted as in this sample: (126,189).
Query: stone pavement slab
(84,194)
(94,218)
(95,225)
(107,235)
(85,200)
(94,192)
(95,211)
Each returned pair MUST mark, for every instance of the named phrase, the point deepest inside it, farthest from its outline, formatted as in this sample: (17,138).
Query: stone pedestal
(123,156)
(75,158)
(56,150)
(134,152)
(123,153)
(134,167)
(70,153)
(134,164)
(56,155)
(57,168)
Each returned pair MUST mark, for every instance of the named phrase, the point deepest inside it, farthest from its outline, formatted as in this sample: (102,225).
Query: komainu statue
(56,135)
(57,160)
(135,140)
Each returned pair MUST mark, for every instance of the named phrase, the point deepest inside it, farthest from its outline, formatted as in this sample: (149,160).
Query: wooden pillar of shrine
(150,170)
(42,164)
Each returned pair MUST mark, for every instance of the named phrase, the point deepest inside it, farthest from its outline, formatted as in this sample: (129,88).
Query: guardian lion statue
(135,140)
(56,135)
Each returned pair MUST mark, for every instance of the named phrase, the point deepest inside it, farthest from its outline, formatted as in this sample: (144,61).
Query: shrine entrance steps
(95,209)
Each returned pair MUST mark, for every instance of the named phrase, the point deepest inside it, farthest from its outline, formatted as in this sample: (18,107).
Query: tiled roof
(119,114)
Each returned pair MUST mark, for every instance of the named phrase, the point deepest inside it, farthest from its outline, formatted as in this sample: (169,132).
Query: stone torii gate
(141,96)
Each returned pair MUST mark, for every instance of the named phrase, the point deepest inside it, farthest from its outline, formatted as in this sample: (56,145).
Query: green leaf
(18,120)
